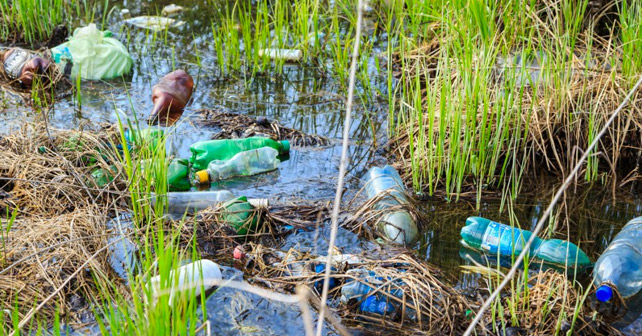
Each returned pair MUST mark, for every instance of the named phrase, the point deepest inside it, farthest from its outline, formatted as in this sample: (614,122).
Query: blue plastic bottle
(496,238)
(619,268)
(378,303)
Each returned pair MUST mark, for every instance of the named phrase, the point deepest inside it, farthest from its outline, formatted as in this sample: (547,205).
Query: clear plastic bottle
(193,201)
(397,226)
(619,268)
(245,163)
(496,238)
(184,279)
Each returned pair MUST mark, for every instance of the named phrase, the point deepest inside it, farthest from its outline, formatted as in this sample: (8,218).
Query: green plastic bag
(93,54)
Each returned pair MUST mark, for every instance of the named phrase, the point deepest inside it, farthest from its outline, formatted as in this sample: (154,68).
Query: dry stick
(33,311)
(548,211)
(342,169)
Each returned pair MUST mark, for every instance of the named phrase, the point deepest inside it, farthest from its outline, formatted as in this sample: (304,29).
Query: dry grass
(548,307)
(216,239)
(242,126)
(440,309)
(60,221)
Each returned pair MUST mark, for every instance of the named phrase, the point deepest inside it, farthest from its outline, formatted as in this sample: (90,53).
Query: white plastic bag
(94,54)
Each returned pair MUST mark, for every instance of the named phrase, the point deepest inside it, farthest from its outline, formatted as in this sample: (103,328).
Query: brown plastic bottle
(23,66)
(170,96)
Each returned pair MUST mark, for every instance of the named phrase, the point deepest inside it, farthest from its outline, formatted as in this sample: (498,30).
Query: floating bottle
(179,203)
(183,280)
(397,226)
(495,238)
(289,55)
(245,163)
(619,268)
(24,66)
(149,138)
(204,152)
(170,96)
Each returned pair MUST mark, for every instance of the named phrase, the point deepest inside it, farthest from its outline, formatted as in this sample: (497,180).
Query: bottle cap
(604,293)
(259,203)
(201,176)
(286,145)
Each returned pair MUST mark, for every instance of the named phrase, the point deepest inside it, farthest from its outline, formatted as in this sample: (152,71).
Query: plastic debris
(184,279)
(24,66)
(154,23)
(290,55)
(204,152)
(170,96)
(245,163)
(397,226)
(171,10)
(496,238)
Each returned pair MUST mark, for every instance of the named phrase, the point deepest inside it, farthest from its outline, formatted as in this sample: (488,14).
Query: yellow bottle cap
(202,176)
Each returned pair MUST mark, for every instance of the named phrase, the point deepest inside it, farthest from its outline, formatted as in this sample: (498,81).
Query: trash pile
(400,294)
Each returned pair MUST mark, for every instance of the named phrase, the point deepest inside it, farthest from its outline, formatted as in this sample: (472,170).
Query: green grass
(471,118)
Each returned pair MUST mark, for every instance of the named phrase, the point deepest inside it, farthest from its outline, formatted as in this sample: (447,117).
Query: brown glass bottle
(170,96)
(24,66)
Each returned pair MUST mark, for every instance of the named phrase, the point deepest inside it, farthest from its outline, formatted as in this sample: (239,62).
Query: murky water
(303,100)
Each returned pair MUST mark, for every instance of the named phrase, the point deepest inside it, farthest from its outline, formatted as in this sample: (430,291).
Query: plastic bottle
(179,203)
(178,175)
(397,226)
(241,215)
(204,152)
(144,138)
(360,290)
(290,55)
(24,66)
(619,268)
(193,201)
(185,279)
(245,163)
(170,96)
(492,237)
(102,177)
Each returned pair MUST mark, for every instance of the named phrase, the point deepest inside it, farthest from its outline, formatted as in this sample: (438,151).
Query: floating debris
(290,55)
(171,10)
(154,23)
(242,126)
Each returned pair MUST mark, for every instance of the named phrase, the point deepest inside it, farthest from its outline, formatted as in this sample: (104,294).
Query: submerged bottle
(204,152)
(24,66)
(362,291)
(496,238)
(184,279)
(397,226)
(170,96)
(245,163)
(619,268)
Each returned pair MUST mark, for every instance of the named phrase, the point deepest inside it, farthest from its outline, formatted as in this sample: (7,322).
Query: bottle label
(15,62)
(503,239)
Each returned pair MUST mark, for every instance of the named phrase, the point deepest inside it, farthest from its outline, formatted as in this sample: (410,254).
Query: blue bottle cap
(604,293)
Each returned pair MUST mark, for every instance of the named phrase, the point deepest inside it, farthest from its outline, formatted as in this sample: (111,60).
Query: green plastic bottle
(204,152)
(237,214)
(495,238)
(101,177)
(146,137)
(178,175)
